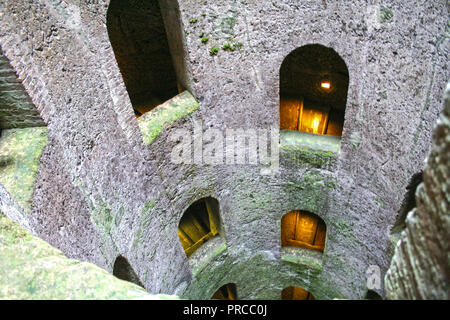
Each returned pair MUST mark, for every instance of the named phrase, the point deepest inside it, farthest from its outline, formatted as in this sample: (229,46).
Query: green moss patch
(203,257)
(144,222)
(103,218)
(312,149)
(20,151)
(314,180)
(310,258)
(32,269)
(155,121)
(213,51)
(10,232)
(385,14)
(148,206)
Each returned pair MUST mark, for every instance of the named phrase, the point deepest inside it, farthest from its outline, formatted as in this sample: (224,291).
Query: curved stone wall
(135,195)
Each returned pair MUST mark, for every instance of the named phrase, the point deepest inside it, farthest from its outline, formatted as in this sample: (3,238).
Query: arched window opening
(303,229)
(199,223)
(313,91)
(139,40)
(226,292)
(296,293)
(372,295)
(123,270)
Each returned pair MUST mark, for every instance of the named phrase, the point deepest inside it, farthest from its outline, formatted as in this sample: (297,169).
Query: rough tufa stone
(16,108)
(32,269)
(420,268)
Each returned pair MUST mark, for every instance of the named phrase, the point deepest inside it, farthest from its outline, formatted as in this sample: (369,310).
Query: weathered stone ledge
(310,258)
(310,149)
(155,121)
(207,253)
(32,269)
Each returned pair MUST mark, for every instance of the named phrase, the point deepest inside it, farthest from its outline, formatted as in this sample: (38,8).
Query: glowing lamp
(325,85)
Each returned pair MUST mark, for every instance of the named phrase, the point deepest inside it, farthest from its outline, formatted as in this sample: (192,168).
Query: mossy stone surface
(207,253)
(309,258)
(155,121)
(80,92)
(32,269)
(20,151)
(309,149)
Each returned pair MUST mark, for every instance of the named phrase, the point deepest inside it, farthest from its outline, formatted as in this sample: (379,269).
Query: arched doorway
(304,230)
(199,223)
(314,82)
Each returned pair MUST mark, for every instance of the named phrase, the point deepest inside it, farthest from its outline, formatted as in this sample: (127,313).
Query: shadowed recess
(372,295)
(226,292)
(198,224)
(408,203)
(139,40)
(123,270)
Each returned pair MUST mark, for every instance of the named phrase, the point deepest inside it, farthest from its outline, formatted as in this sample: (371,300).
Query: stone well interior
(224,149)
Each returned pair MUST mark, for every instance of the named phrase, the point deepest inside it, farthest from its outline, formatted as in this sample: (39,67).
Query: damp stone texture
(420,268)
(33,270)
(105,184)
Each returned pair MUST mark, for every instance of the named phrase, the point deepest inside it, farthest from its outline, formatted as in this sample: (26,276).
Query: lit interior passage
(138,37)
(313,91)
(296,293)
(123,270)
(226,292)
(303,229)
(199,223)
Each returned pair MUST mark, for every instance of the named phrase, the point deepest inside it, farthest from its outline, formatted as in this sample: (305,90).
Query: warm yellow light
(326,85)
(316,123)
